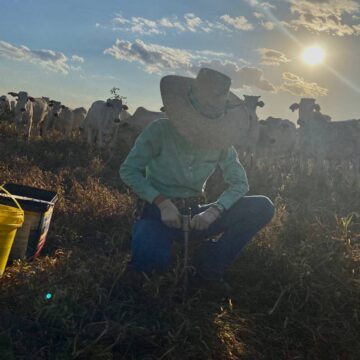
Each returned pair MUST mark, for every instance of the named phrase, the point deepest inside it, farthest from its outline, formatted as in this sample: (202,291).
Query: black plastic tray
(30,198)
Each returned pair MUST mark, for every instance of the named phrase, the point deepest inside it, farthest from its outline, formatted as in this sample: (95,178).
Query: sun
(313,55)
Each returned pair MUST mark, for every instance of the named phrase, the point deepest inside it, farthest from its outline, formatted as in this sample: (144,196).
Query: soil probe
(186,230)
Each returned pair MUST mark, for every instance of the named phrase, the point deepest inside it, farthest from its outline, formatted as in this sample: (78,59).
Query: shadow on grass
(296,284)
(93,315)
(297,287)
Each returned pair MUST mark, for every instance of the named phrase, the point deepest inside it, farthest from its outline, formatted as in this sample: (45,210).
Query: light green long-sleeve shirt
(163,162)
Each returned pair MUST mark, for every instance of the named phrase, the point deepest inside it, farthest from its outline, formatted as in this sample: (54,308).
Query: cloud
(258,15)
(138,25)
(218,54)
(324,15)
(193,22)
(189,22)
(242,77)
(240,22)
(296,85)
(51,60)
(154,57)
(272,57)
(171,24)
(268,25)
(267,5)
(357,28)
(262,4)
(162,59)
(77,58)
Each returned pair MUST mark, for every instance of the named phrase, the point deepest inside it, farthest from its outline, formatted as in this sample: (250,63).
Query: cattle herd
(108,123)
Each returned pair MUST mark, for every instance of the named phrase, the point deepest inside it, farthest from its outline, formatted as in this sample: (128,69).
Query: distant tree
(115,94)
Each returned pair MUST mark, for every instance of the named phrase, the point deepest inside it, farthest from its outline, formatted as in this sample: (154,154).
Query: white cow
(277,140)
(71,120)
(65,120)
(12,105)
(5,106)
(248,148)
(24,111)
(125,115)
(52,116)
(143,117)
(309,111)
(41,110)
(30,113)
(79,115)
(309,119)
(45,122)
(322,139)
(101,121)
(130,127)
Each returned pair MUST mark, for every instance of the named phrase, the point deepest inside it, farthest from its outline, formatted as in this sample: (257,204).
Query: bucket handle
(12,196)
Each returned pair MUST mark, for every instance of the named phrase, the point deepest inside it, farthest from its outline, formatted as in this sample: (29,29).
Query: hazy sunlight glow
(313,55)
(291,36)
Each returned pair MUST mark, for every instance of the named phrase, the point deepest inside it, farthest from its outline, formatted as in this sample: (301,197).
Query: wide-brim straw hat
(204,110)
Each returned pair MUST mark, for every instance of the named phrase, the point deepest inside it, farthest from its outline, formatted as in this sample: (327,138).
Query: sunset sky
(75,51)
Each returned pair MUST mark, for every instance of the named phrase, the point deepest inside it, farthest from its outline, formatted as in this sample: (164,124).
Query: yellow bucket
(11,219)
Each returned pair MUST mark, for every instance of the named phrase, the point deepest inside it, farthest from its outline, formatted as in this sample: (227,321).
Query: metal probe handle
(186,229)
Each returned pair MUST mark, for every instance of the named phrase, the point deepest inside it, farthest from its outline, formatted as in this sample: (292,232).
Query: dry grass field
(297,284)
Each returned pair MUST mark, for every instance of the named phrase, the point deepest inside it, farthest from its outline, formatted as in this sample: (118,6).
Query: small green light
(48,296)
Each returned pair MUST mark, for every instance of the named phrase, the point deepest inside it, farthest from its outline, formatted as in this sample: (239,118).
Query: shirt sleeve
(235,176)
(132,170)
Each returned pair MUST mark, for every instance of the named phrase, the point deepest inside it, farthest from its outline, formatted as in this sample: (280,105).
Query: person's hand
(170,215)
(203,220)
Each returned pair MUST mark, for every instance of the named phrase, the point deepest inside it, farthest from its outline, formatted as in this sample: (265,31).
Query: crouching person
(169,165)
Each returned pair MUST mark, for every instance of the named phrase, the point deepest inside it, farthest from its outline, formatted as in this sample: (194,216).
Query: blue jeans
(152,240)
